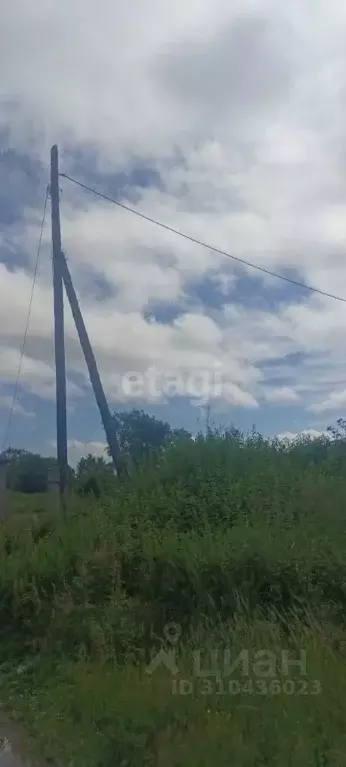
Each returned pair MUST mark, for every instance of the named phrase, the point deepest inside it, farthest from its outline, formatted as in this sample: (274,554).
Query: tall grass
(235,539)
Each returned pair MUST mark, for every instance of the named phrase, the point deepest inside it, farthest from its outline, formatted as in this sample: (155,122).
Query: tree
(338,432)
(94,475)
(141,434)
(28,472)
(90,464)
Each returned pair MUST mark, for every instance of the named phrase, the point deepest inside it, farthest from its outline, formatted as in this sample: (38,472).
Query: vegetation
(28,472)
(141,435)
(225,542)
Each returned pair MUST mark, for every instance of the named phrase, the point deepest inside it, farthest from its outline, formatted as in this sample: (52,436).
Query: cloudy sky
(224,120)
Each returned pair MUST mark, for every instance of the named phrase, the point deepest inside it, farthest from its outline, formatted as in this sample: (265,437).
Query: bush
(240,541)
(94,477)
(28,472)
(208,525)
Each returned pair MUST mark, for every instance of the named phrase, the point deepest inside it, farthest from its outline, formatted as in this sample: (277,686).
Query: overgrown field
(223,550)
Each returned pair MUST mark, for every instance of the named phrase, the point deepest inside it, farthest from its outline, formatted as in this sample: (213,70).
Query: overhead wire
(203,244)
(16,386)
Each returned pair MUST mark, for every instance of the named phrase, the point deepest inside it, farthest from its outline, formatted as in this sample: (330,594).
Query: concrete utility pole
(54,488)
(4,511)
(61,419)
(108,423)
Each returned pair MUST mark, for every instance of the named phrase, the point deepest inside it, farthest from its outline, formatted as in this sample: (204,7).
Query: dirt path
(12,746)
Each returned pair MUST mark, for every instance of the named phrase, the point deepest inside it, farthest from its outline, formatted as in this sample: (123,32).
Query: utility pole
(61,419)
(108,423)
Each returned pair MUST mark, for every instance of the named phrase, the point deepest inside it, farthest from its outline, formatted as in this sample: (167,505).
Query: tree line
(139,435)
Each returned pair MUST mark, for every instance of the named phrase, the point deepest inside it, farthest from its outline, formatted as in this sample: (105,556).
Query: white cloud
(281,395)
(6,403)
(78,450)
(112,60)
(335,401)
(240,108)
(291,436)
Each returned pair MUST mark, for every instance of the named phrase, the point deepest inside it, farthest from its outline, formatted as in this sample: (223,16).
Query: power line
(214,249)
(15,392)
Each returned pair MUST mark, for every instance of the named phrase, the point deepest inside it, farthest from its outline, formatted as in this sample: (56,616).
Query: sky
(224,120)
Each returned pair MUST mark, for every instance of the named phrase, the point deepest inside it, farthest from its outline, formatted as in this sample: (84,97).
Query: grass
(237,541)
(100,713)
